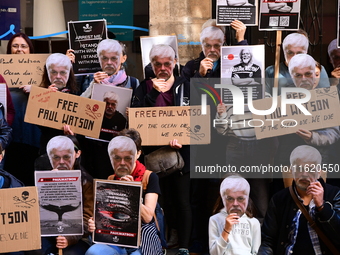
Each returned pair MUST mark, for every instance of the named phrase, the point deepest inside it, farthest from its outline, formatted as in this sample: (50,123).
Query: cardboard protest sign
(20,219)
(56,109)
(230,10)
(117,213)
(279,15)
(117,120)
(243,67)
(159,125)
(84,37)
(323,105)
(146,43)
(22,69)
(60,199)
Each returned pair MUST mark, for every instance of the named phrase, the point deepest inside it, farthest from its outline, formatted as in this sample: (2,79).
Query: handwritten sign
(111,198)
(22,69)
(20,219)
(60,200)
(323,105)
(56,109)
(159,125)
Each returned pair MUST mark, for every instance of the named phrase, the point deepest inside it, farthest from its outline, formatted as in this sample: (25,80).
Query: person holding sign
(208,63)
(64,154)
(233,229)
(124,158)
(334,56)
(111,59)
(302,71)
(293,44)
(168,90)
(58,76)
(286,228)
(26,136)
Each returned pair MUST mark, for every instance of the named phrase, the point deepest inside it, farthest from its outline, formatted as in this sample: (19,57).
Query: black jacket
(280,214)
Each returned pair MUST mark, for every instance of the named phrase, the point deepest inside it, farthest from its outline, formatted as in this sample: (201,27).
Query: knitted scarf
(116,79)
(137,173)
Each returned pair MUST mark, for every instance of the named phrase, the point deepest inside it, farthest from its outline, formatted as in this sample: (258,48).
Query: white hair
(301,61)
(59,143)
(295,40)
(305,153)
(162,51)
(58,59)
(333,45)
(212,33)
(234,183)
(110,95)
(109,45)
(121,143)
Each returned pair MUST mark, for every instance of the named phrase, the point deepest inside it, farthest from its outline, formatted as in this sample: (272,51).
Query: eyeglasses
(62,73)
(166,64)
(126,159)
(209,46)
(17,46)
(239,199)
(58,158)
(113,59)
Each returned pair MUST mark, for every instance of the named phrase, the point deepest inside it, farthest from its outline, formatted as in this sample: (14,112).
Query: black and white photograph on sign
(279,15)
(117,213)
(243,10)
(84,37)
(243,67)
(117,99)
(146,43)
(60,201)
(338,27)
(3,98)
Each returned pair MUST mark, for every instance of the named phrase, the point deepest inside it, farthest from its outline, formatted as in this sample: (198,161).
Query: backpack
(159,214)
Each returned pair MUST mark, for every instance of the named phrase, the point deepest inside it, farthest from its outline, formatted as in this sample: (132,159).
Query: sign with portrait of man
(242,66)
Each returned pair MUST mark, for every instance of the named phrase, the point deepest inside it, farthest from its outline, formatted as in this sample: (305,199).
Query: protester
(293,44)
(285,228)
(231,230)
(64,154)
(167,90)
(124,158)
(111,56)
(26,136)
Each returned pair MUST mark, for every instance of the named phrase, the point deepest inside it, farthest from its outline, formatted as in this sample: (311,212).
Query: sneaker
(182,251)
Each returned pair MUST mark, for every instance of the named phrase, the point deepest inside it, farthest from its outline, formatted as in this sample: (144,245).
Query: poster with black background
(117,213)
(84,37)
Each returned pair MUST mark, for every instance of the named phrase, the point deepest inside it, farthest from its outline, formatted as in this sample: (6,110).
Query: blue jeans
(101,249)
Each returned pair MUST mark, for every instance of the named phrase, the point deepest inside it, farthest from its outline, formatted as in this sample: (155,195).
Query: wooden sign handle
(277,58)
(60,251)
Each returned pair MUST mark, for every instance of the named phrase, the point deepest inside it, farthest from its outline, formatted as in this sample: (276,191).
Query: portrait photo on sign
(279,15)
(242,66)
(117,99)
(147,42)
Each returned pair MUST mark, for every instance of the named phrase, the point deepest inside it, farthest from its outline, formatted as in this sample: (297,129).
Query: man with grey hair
(285,229)
(231,230)
(334,56)
(302,71)
(113,120)
(208,63)
(293,44)
(111,57)
(124,155)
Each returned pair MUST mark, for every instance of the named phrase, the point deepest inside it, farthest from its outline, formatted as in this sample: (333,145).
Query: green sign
(116,12)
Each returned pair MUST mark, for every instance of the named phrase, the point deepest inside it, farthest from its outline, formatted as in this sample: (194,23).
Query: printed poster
(243,66)
(60,200)
(279,15)
(230,10)
(84,37)
(117,213)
